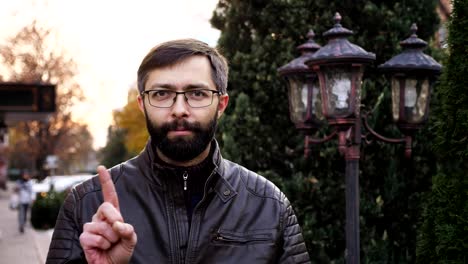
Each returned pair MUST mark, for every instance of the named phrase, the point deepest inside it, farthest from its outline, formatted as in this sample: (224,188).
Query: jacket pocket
(235,238)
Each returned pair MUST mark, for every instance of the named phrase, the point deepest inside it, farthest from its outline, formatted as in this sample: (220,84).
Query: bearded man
(178,201)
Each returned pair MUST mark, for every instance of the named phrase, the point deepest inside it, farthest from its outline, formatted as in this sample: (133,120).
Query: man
(178,201)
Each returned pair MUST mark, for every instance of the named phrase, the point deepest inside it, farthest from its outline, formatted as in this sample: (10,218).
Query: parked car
(60,183)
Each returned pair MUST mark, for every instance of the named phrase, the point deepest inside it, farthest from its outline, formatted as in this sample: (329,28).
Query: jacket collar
(153,171)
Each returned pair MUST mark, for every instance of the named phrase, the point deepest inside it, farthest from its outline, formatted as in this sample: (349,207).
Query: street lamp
(412,74)
(339,66)
(304,92)
(305,105)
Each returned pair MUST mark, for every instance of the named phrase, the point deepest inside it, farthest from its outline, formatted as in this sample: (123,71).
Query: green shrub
(45,209)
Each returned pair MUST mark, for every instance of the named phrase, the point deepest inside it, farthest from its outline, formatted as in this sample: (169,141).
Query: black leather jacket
(243,218)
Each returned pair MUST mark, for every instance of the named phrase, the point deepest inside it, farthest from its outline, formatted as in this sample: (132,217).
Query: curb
(40,256)
(41,243)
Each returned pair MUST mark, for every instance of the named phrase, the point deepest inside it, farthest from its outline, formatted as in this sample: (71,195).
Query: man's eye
(160,95)
(198,93)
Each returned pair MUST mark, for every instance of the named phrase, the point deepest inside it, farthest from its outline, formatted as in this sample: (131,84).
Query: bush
(45,209)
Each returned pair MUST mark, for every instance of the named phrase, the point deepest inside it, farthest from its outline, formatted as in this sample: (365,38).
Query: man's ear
(141,103)
(223,103)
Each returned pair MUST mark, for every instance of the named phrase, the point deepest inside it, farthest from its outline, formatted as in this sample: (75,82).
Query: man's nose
(180,107)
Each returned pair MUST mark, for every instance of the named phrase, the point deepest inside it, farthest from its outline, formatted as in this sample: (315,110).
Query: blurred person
(178,201)
(24,188)
(3,164)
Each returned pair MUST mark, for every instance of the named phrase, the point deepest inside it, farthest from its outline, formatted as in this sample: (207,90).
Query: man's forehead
(192,72)
(174,86)
(187,59)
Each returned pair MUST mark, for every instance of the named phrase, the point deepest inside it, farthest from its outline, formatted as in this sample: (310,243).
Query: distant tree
(128,136)
(73,159)
(114,152)
(32,56)
(132,121)
(258,37)
(444,234)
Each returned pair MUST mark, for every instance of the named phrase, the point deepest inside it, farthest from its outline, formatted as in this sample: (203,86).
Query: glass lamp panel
(395,98)
(298,97)
(416,99)
(338,89)
(316,105)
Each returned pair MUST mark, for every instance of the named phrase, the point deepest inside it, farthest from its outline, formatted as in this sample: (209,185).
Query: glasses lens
(199,98)
(161,98)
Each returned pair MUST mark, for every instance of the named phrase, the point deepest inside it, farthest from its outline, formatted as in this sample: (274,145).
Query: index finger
(108,188)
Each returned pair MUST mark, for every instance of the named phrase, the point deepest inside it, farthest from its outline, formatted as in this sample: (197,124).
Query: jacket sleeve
(294,248)
(65,245)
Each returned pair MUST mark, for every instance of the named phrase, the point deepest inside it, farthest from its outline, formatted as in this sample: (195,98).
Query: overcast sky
(108,39)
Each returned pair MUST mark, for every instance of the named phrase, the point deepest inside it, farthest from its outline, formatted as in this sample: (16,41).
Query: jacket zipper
(246,239)
(192,233)
(185,177)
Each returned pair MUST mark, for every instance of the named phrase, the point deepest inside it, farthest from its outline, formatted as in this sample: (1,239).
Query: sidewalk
(30,247)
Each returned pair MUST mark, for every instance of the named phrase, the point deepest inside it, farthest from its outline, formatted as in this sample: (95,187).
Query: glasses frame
(213,92)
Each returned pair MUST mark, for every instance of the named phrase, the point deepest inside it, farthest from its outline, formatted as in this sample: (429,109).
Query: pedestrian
(179,200)
(25,192)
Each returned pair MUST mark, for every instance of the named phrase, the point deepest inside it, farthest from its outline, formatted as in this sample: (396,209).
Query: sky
(108,39)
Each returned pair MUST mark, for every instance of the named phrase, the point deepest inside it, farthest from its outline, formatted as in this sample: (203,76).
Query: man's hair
(172,52)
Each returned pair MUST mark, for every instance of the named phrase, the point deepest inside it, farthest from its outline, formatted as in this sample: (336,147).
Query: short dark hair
(171,52)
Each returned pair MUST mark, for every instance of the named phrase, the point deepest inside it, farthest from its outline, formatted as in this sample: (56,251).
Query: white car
(60,182)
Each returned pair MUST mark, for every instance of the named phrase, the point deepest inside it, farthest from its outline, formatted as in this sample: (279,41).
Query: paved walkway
(30,247)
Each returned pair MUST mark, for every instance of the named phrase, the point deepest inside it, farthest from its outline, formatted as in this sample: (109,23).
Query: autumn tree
(128,135)
(32,56)
(132,120)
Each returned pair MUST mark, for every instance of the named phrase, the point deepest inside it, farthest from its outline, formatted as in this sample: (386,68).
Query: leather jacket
(242,218)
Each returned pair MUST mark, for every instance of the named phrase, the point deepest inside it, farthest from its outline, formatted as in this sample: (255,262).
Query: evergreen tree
(259,36)
(115,151)
(444,235)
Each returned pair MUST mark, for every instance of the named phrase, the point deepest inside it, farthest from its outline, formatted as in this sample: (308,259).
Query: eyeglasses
(166,98)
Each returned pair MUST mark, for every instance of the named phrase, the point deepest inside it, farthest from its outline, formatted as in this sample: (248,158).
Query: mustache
(178,124)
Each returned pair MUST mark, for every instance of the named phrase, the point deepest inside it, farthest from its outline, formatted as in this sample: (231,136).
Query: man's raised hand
(107,239)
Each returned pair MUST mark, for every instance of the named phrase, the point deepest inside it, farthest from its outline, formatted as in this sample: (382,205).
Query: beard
(182,149)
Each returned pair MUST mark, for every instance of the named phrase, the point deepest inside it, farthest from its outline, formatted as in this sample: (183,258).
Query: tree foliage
(115,151)
(258,37)
(444,237)
(128,136)
(132,121)
(32,56)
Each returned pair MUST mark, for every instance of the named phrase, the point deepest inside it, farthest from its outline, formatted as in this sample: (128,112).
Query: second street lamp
(339,66)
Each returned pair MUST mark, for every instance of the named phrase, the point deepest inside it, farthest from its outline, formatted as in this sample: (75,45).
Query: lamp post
(339,66)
